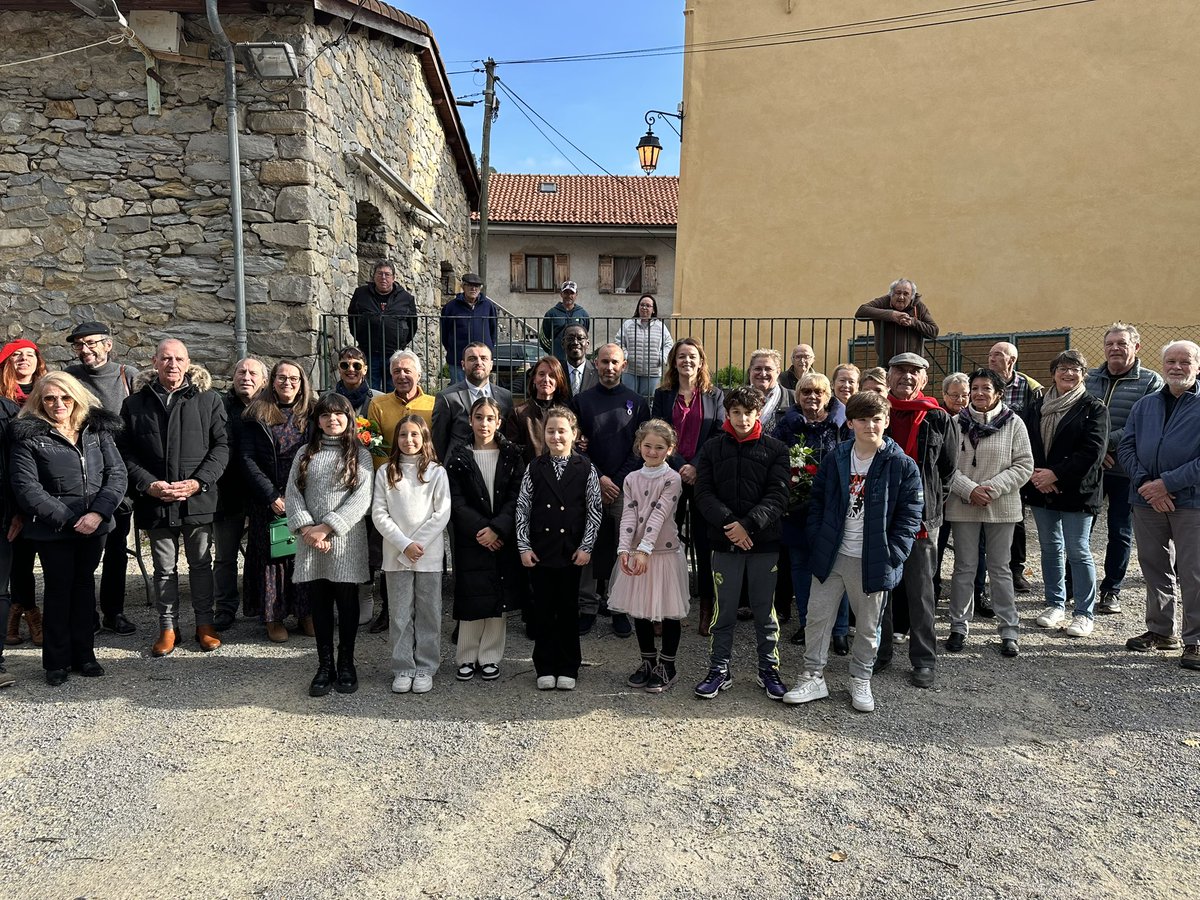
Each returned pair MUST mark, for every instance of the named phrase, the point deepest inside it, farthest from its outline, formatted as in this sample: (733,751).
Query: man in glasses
(383,318)
(581,371)
(175,449)
(112,382)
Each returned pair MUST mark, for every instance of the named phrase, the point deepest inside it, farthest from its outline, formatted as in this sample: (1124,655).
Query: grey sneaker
(861,697)
(1110,603)
(1152,640)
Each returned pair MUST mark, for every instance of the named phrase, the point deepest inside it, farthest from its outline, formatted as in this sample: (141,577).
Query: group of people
(837,492)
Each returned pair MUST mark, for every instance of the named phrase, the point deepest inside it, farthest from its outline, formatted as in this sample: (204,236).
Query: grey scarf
(1054,407)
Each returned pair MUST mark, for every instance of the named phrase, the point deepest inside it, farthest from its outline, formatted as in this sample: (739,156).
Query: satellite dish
(101,9)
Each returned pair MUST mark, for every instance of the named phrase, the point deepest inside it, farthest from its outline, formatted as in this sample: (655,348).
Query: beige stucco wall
(1028,172)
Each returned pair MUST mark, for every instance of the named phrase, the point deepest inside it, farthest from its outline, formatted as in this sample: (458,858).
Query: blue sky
(599,105)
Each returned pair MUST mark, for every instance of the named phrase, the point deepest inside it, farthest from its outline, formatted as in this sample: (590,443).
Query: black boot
(322,682)
(347,677)
(383,620)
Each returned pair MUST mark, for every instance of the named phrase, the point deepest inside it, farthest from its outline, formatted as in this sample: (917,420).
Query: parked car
(512,361)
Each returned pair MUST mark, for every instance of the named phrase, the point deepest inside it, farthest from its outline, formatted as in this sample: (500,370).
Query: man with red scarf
(929,436)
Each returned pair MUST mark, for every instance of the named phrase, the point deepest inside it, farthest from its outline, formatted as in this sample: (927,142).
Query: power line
(115,40)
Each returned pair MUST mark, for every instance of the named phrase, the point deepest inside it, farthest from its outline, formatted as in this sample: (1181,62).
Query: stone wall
(109,213)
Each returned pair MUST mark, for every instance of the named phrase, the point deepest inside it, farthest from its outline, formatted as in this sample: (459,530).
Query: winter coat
(526,428)
(1002,461)
(1076,456)
(188,440)
(746,482)
(232,486)
(646,345)
(486,582)
(555,321)
(892,339)
(822,437)
(263,466)
(8,413)
(1150,450)
(462,324)
(937,458)
(891,518)
(382,324)
(712,416)
(1120,393)
(413,511)
(55,482)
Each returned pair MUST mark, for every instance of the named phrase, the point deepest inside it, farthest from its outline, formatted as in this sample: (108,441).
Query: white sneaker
(861,697)
(1081,626)
(546,682)
(422,684)
(1051,617)
(565,683)
(811,686)
(402,684)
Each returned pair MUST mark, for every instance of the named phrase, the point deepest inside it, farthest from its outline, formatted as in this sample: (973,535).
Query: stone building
(114,183)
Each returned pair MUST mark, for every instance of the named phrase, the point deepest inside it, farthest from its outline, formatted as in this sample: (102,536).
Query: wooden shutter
(516,272)
(562,269)
(650,275)
(606,274)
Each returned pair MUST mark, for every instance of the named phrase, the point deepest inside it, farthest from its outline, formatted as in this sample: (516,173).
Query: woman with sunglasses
(21,365)
(274,428)
(68,479)
(353,380)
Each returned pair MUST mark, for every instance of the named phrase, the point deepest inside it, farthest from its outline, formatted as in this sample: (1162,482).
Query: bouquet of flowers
(801,459)
(370,435)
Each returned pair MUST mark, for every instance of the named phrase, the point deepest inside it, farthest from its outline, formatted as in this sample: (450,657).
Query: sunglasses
(811,392)
(54,400)
(351,366)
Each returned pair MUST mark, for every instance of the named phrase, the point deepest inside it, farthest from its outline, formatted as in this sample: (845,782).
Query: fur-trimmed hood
(98,419)
(199,377)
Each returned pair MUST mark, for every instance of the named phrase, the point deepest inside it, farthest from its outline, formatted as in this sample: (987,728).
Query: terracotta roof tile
(584,199)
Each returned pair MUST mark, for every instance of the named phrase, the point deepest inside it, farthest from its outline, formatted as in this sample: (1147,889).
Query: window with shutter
(516,272)
(562,269)
(650,275)
(606,274)
(539,273)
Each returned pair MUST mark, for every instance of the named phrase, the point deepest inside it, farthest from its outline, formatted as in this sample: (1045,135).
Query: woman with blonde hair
(68,478)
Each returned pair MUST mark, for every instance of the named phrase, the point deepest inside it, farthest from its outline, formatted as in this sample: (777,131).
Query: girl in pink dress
(650,580)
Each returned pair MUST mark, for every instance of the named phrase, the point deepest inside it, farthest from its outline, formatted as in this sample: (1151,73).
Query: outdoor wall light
(649,147)
(273,60)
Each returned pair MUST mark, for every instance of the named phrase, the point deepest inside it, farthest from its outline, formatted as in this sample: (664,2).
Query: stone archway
(374,240)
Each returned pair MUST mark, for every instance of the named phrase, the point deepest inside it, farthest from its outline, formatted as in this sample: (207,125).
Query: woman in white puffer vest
(646,341)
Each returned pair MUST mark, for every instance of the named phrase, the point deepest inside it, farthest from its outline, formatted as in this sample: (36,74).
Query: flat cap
(83,329)
(472,278)
(908,359)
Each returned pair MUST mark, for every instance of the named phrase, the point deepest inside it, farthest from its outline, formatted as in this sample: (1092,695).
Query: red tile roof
(584,199)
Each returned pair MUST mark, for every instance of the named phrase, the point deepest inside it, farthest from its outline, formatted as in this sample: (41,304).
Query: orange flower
(364,437)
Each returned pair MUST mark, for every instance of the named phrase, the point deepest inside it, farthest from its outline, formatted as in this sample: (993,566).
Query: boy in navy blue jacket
(864,514)
(742,491)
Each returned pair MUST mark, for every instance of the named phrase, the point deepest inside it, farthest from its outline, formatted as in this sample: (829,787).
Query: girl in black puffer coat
(67,478)
(485,479)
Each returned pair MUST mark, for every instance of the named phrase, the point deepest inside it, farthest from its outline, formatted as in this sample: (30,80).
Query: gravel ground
(1069,772)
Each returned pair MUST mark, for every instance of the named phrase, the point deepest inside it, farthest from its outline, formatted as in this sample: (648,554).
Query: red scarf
(907,416)
(754,434)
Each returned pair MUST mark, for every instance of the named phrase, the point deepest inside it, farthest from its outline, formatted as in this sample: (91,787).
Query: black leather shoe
(621,625)
(90,669)
(983,606)
(347,677)
(118,624)
(223,620)
(1009,647)
(55,677)
(956,641)
(881,663)
(922,677)
(798,638)
(1021,584)
(840,644)
(586,621)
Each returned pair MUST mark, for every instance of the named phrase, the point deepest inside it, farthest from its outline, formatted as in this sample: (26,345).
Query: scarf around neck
(357,396)
(1054,407)
(918,407)
(975,429)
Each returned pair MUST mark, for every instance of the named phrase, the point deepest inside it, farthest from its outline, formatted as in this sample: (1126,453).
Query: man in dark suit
(452,408)
(581,371)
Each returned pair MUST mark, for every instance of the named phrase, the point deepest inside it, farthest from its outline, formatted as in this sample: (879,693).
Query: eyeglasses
(811,392)
(54,400)
(90,345)
(347,365)
(287,379)
(575,339)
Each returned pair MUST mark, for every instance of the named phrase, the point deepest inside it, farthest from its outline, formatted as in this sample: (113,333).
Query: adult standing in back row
(558,317)
(902,321)
(383,319)
(469,318)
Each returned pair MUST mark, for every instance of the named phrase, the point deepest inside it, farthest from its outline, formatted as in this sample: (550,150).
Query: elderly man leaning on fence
(902,321)
(1160,451)
(1120,383)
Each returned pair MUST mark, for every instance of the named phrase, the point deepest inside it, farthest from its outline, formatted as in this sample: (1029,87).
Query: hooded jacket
(185,440)
(55,482)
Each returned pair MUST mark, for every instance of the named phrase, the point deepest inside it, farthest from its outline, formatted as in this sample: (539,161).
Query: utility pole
(489,106)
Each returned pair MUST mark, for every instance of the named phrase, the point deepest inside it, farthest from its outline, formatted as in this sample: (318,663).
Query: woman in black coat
(485,479)
(68,479)
(1068,434)
(274,428)
(695,407)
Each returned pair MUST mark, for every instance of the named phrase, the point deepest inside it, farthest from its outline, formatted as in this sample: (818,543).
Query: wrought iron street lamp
(649,147)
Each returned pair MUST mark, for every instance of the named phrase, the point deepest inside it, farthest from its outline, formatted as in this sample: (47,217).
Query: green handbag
(283,542)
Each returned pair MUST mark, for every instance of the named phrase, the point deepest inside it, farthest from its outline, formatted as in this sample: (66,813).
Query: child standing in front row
(411,509)
(558,516)
(650,581)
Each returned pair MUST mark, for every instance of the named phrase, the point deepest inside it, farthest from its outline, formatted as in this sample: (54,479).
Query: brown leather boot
(166,642)
(306,625)
(13,636)
(276,632)
(706,614)
(33,618)
(206,637)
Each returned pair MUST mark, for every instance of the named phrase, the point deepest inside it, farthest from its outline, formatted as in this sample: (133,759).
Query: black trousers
(116,560)
(21,581)
(555,620)
(323,595)
(69,604)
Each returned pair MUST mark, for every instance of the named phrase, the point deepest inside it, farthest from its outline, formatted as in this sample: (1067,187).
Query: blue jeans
(1120,532)
(802,588)
(456,374)
(378,375)
(643,384)
(1069,532)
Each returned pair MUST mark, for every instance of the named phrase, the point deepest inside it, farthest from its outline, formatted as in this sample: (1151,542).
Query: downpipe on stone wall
(235,178)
